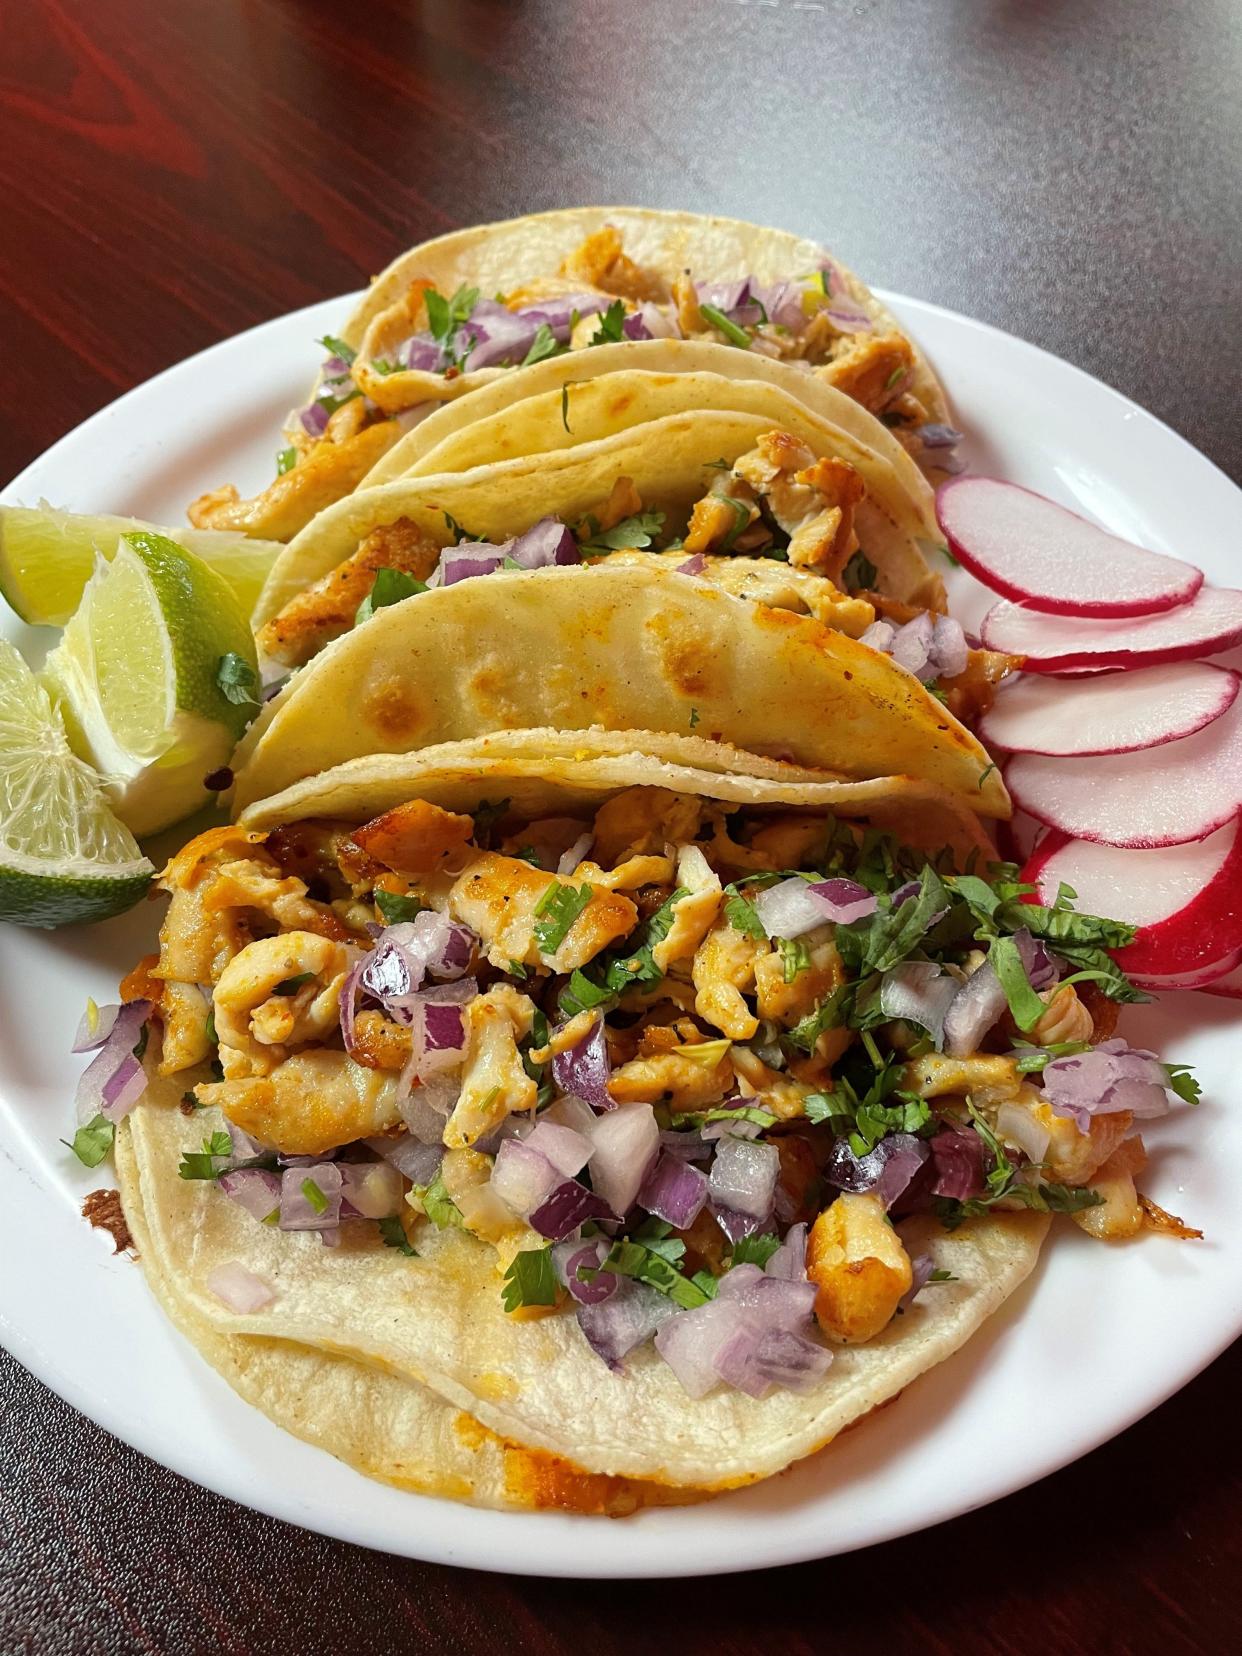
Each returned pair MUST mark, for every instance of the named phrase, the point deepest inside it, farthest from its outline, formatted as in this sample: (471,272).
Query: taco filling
(686,1070)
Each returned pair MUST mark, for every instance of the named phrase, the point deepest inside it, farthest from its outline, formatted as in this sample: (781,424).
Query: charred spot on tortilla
(391,709)
(103,1211)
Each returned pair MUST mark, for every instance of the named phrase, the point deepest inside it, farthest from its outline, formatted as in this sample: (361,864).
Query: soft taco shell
(438,1320)
(890,522)
(383,1425)
(626,647)
(547,772)
(525,252)
(662,356)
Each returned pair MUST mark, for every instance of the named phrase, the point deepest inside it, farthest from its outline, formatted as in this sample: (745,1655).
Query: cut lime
(156,679)
(46,558)
(63,855)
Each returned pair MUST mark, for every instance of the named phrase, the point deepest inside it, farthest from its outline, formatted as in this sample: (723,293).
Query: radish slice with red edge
(1109,712)
(1230,985)
(1186,900)
(1210,622)
(1164,795)
(1204,977)
(1028,548)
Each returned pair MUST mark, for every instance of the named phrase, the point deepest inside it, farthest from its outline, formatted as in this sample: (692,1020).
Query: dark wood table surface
(173,172)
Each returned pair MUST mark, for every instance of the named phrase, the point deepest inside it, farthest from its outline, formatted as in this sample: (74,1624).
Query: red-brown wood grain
(174,170)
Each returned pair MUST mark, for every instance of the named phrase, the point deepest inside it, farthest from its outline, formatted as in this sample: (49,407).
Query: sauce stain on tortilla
(102,1209)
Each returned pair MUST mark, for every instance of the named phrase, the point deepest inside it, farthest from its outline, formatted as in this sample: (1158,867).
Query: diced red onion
(577,851)
(978,1004)
(736,1225)
(635,326)
(693,566)
(626,1319)
(417,1162)
(567,1150)
(559,313)
(789,1260)
(951,463)
(495,336)
(691,1342)
(674,1190)
(912,645)
(921,1268)
(254,1188)
(732,299)
(422,353)
(743,1177)
(314,418)
(244,1148)
(957,1154)
(793,907)
(626,1142)
(522,1177)
(372,1190)
(233,1285)
(425,1108)
(936,436)
(659,323)
(89,1038)
(569,1258)
(1111,1077)
(783,303)
(879,635)
(886,1171)
(459,563)
(690,1145)
(949,653)
(297,1212)
(848,318)
(544,544)
(583,1069)
(114,1080)
(921,993)
(567,1209)
(1038,962)
(751,1336)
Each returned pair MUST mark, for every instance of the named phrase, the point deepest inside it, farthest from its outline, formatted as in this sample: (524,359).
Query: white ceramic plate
(1099,1337)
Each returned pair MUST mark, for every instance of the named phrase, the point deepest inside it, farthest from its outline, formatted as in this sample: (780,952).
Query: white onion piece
(626,1141)
(744,1175)
(375,1190)
(978,1004)
(1017,1126)
(522,1177)
(577,851)
(567,1150)
(239,1289)
(921,993)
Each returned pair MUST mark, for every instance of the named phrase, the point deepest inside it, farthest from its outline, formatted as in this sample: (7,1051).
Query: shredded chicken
(768,581)
(314,1101)
(494,1083)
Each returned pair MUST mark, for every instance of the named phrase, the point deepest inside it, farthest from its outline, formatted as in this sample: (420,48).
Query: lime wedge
(156,679)
(46,558)
(63,855)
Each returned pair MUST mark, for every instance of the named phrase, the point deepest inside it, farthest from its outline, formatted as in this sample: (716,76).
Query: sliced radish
(1108,712)
(1165,795)
(1205,977)
(1212,621)
(1029,548)
(1186,900)
(1230,985)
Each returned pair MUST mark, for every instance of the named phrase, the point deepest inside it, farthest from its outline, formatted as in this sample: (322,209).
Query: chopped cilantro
(92,1141)
(545,344)
(694,717)
(1036,1058)
(389,587)
(635,963)
(144,1035)
(383,365)
(555,913)
(630,534)
(396,906)
(530,1280)
(486,817)
(286,460)
(201,1164)
(446,316)
(458,533)
(1183,1082)
(897,374)
(742,914)
(646,1262)
(1006,962)
(610,328)
(518,970)
(823,1106)
(735,335)
(795,956)
(237,680)
(985,773)
(565,407)
(337,348)
(393,1236)
(739,1112)
(438,1205)
(755,1250)
(706,1283)
(210,1028)
(581,995)
(831,1013)
(941,1275)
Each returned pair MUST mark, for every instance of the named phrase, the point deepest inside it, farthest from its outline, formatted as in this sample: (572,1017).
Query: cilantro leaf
(438,1205)
(545,344)
(1183,1082)
(92,1141)
(389,587)
(458,533)
(795,956)
(831,1013)
(291,985)
(581,995)
(632,533)
(755,1250)
(338,348)
(890,934)
(859,574)
(237,680)
(565,407)
(530,1280)
(610,328)
(641,1260)
(742,914)
(396,907)
(286,460)
(201,1164)
(393,1236)
(635,963)
(555,913)
(1006,962)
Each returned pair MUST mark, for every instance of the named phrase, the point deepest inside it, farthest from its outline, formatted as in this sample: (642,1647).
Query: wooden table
(171,173)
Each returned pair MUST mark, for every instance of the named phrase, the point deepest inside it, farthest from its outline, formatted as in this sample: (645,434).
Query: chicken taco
(454,313)
(654,1131)
(631,645)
